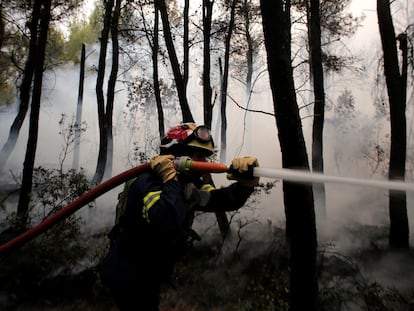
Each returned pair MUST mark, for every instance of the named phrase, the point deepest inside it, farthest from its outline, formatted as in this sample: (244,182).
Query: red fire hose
(181,163)
(184,164)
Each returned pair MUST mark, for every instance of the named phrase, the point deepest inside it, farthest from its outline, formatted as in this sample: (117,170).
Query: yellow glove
(241,169)
(163,165)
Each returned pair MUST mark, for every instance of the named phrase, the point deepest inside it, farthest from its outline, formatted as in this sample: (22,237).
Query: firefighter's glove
(163,165)
(241,169)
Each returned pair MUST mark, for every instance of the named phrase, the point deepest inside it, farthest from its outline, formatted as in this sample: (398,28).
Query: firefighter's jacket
(155,223)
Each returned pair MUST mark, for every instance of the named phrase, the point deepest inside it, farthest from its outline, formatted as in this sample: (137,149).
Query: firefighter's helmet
(186,138)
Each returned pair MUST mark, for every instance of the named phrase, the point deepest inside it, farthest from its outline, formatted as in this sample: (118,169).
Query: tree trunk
(224,84)
(319,104)
(25,87)
(76,151)
(111,86)
(250,49)
(103,131)
(28,165)
(221,217)
(298,198)
(186,47)
(157,91)
(207,91)
(397,89)
(178,78)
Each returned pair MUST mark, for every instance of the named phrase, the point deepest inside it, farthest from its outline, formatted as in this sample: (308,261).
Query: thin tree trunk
(28,165)
(319,104)
(221,217)
(249,52)
(224,84)
(397,90)
(157,91)
(186,47)
(25,87)
(103,131)
(207,90)
(111,86)
(76,152)
(178,78)
(153,42)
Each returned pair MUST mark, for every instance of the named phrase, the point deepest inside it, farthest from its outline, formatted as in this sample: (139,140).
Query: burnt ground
(255,277)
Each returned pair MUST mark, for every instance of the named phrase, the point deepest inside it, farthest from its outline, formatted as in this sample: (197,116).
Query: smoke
(392,269)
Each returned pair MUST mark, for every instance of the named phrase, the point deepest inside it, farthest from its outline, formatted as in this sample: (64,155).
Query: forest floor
(255,277)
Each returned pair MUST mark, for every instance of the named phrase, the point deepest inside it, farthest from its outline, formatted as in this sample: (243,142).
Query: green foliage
(58,250)
(55,47)
(6,73)
(95,19)
(60,247)
(81,32)
(12,56)
(55,189)
(7,91)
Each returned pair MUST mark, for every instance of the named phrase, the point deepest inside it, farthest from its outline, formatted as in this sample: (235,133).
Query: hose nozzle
(183,164)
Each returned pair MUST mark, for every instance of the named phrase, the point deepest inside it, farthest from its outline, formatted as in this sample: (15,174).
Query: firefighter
(155,226)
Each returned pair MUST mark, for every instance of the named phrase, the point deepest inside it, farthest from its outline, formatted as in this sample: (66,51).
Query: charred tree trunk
(298,198)
(319,104)
(153,42)
(397,90)
(221,217)
(78,123)
(103,131)
(224,84)
(178,78)
(28,165)
(250,48)
(25,87)
(186,46)
(157,92)
(111,86)
(207,91)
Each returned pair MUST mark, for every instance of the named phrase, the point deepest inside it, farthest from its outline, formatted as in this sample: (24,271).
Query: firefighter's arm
(163,202)
(228,198)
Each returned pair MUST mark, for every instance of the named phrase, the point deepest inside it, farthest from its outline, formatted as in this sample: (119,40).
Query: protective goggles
(201,134)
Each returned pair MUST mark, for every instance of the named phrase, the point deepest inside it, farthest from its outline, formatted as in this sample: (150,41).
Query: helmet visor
(201,134)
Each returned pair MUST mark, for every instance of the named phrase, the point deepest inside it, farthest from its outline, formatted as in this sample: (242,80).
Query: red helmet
(186,138)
